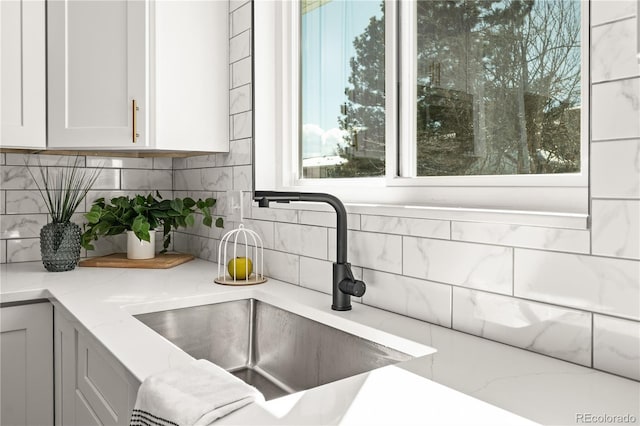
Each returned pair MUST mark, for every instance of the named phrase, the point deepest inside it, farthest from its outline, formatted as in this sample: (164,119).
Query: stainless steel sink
(274,350)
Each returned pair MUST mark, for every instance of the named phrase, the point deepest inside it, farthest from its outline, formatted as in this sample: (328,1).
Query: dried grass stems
(64,188)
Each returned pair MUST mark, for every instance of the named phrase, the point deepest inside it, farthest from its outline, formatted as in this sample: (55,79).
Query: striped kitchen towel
(194,394)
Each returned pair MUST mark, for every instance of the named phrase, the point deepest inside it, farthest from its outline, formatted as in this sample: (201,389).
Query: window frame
(561,195)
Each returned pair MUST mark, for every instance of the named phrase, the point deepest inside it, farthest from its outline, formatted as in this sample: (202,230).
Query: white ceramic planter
(137,249)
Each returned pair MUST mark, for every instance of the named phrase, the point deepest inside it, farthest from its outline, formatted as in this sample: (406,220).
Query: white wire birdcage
(248,244)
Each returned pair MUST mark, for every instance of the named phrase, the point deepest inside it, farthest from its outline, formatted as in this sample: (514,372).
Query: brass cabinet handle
(135,109)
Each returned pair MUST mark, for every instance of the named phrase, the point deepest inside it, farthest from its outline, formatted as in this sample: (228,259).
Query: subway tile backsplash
(120,163)
(608,11)
(45,160)
(146,179)
(22,226)
(616,228)
(240,99)
(327,219)
(615,346)
(615,167)
(622,121)
(241,72)
(241,128)
(477,266)
(421,299)
(551,330)
(382,252)
(555,239)
(240,19)
(282,266)
(240,46)
(599,284)
(23,250)
(571,294)
(613,49)
(406,226)
(24,202)
(24,212)
(311,241)
(16,178)
(240,154)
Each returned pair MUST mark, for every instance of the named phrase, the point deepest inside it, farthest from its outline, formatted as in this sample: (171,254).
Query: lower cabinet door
(92,387)
(102,384)
(84,415)
(26,365)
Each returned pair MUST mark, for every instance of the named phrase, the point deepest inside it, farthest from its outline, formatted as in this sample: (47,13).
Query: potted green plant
(139,217)
(62,189)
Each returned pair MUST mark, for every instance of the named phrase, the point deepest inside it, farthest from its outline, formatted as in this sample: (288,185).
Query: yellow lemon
(240,268)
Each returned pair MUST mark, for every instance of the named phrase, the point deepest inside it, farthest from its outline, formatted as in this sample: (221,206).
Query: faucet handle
(353,287)
(344,286)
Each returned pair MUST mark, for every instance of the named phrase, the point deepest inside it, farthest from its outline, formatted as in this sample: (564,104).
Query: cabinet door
(65,364)
(92,387)
(190,65)
(23,68)
(26,365)
(96,59)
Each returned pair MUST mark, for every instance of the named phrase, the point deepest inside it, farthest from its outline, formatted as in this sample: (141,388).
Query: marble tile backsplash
(593,283)
(616,228)
(623,157)
(551,330)
(570,294)
(615,346)
(478,266)
(428,228)
(426,300)
(622,121)
(613,49)
(555,239)
(23,211)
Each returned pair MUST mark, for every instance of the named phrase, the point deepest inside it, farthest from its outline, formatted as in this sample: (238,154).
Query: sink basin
(275,350)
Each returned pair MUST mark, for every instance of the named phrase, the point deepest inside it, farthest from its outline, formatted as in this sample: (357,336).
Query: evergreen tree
(363,115)
(498,90)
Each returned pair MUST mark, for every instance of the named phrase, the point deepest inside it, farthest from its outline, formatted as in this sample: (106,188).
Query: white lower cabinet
(92,387)
(26,364)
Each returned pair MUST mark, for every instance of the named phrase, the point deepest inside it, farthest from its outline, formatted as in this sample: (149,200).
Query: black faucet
(344,284)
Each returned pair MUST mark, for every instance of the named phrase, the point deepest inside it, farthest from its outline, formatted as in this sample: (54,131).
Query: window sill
(511,217)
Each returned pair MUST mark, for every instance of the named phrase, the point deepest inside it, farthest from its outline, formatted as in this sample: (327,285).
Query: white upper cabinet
(140,75)
(96,71)
(23,71)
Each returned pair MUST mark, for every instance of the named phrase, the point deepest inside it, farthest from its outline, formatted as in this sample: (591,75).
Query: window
(461,103)
(498,87)
(342,89)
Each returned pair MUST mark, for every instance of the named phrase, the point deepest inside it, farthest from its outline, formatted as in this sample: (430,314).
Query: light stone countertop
(464,382)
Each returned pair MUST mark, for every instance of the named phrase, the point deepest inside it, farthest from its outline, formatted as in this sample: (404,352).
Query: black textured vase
(60,246)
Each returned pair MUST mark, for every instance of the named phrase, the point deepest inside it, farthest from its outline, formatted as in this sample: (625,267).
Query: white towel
(194,394)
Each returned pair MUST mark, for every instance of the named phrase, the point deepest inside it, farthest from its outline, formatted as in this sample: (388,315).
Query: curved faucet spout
(344,284)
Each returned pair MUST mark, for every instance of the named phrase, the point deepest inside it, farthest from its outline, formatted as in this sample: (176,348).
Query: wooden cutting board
(119,260)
